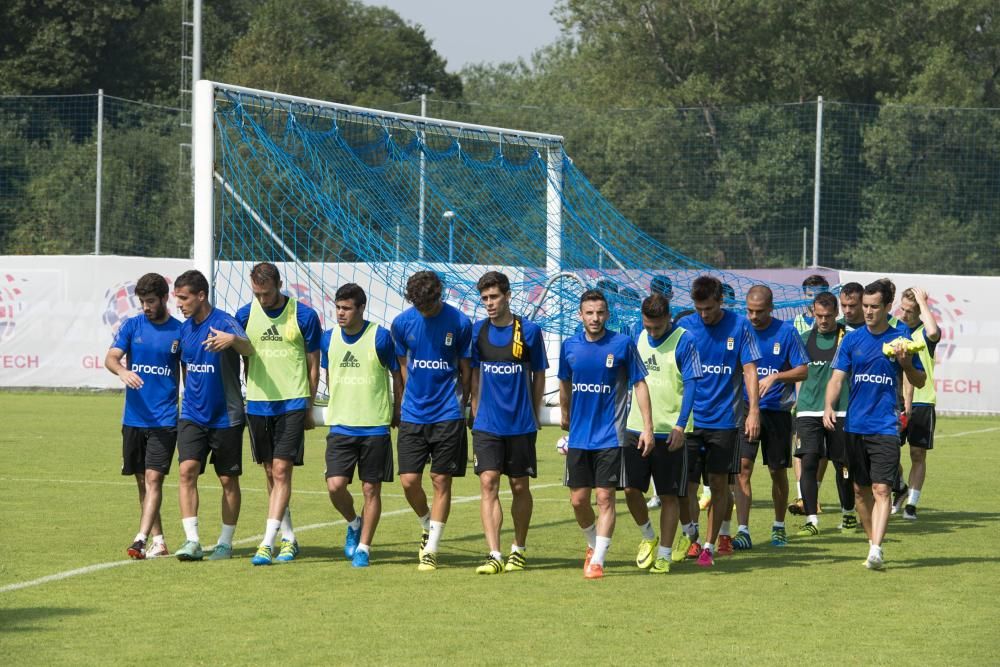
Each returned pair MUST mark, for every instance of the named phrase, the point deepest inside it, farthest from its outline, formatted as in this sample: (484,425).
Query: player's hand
(920,295)
(217,341)
(903,355)
(396,418)
(130,379)
(752,426)
(676,439)
(829,419)
(764,384)
(310,421)
(646,442)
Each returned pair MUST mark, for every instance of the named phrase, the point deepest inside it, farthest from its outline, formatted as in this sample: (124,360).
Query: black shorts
(873,459)
(669,470)
(594,468)
(775,439)
(815,439)
(194,442)
(446,444)
(147,449)
(371,454)
(278,437)
(513,455)
(712,451)
(919,431)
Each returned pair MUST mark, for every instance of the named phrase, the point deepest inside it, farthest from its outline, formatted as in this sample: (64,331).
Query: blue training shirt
(506,405)
(689,364)
(601,372)
(781,349)
(432,347)
(153,353)
(723,348)
(385,349)
(212,393)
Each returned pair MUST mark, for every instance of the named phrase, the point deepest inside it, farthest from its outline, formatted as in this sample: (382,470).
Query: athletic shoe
(287,551)
(137,550)
(647,553)
(593,571)
(898,497)
(158,550)
(424,536)
(264,555)
(910,513)
(353,539)
(515,562)
(704,500)
(848,522)
(681,546)
(808,530)
(490,566)
(661,566)
(190,551)
(875,562)
(586,559)
(742,541)
(428,562)
(360,559)
(221,552)
(693,551)
(725,546)
(778,537)
(798,507)
(705,559)
(653,502)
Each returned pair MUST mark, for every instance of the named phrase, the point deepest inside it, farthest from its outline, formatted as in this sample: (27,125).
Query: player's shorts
(669,470)
(195,442)
(815,439)
(278,437)
(873,459)
(919,431)
(594,468)
(371,454)
(775,439)
(446,444)
(147,449)
(712,451)
(512,455)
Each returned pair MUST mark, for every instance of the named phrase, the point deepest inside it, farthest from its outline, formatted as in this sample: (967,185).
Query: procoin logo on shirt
(432,365)
(503,369)
(874,379)
(730,343)
(715,369)
(146,369)
(591,388)
(766,370)
(200,368)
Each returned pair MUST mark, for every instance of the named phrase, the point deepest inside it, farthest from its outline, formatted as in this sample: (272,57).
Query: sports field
(64,507)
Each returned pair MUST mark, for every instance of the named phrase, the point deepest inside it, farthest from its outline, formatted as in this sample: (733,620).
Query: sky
(466,32)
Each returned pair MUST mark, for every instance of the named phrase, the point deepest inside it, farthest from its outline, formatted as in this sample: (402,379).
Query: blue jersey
(432,347)
(212,392)
(724,348)
(153,352)
(505,402)
(308,321)
(386,351)
(781,349)
(875,379)
(601,372)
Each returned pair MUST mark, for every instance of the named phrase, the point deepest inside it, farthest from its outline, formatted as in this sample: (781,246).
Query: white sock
(271,531)
(601,550)
(191,529)
(664,552)
(140,537)
(437,530)
(724,530)
(914,497)
(813,519)
(874,550)
(158,539)
(287,532)
(425,521)
(226,536)
(743,529)
(356,524)
(647,530)
(516,549)
(798,489)
(496,555)
(691,529)
(363,547)
(706,491)
(779,524)
(709,547)
(590,532)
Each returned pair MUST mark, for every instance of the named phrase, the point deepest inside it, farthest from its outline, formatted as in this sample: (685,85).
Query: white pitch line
(247,540)
(958,435)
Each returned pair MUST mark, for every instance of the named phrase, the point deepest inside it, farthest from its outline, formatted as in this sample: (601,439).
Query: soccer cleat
(586,559)
(778,537)
(158,550)
(287,551)
(353,539)
(138,550)
(725,546)
(704,500)
(490,566)
(798,507)
(428,562)
(515,562)
(647,553)
(360,559)
(875,562)
(221,552)
(264,555)
(190,550)
(693,551)
(661,566)
(742,541)
(848,522)
(808,530)
(898,497)
(653,502)
(910,513)
(593,571)
(705,559)
(424,536)
(681,547)
(912,347)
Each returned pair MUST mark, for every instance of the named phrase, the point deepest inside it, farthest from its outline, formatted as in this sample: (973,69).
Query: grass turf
(64,506)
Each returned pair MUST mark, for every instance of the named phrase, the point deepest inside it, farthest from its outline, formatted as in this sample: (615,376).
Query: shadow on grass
(32,619)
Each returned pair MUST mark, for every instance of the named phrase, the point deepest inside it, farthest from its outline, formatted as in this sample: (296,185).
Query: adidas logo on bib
(350,361)
(271,334)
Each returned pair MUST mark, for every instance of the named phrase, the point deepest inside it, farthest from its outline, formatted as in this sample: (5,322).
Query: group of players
(677,402)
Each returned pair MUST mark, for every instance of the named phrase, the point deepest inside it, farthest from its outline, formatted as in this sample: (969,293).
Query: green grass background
(63,505)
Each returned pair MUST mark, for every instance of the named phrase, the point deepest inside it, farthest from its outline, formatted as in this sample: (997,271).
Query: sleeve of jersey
(536,349)
(398,337)
(386,349)
(842,360)
(310,327)
(243,316)
(324,345)
(687,402)
(749,351)
(123,339)
(636,369)
(229,323)
(919,365)
(687,358)
(797,355)
(465,338)
(474,348)
(565,372)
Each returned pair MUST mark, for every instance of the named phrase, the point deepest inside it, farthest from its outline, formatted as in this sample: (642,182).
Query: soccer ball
(562,444)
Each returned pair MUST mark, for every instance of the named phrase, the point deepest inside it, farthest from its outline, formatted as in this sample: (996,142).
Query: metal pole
(816,188)
(196,43)
(805,237)
(449,217)
(203,157)
(100,169)
(553,211)
(423,176)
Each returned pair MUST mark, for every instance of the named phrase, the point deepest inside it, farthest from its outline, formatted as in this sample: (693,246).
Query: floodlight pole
(553,210)
(449,217)
(203,157)
(423,177)
(100,170)
(816,187)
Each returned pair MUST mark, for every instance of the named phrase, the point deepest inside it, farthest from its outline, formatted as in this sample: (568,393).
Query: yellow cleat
(889,349)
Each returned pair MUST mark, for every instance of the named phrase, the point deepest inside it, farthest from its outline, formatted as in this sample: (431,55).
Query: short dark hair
(593,295)
(815,280)
(353,292)
(493,279)
(827,300)
(151,284)
(656,306)
(706,287)
(423,289)
(662,285)
(852,289)
(194,280)
(892,288)
(265,272)
(880,287)
(762,289)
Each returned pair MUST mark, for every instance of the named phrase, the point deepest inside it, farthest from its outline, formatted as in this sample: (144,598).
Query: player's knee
(442,483)
(520,487)
(371,489)
(606,498)
(918,454)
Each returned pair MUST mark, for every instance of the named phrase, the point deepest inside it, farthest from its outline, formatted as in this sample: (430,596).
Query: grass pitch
(65,507)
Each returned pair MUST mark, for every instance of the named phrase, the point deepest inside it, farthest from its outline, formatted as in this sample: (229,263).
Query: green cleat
(221,552)
(778,536)
(681,547)
(428,562)
(490,566)
(264,556)
(661,565)
(190,551)
(646,554)
(426,535)
(515,562)
(288,550)
(808,530)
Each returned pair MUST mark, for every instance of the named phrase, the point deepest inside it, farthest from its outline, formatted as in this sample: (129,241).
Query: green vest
(926,394)
(666,385)
(821,348)
(358,382)
(277,371)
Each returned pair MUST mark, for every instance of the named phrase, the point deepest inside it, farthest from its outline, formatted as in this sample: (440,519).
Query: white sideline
(247,540)
(956,435)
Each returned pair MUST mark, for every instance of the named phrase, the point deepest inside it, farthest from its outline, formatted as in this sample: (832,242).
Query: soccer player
(813,284)
(782,364)
(665,286)
(872,419)
(670,358)
(852,317)
(508,383)
(150,344)
(282,377)
(728,350)
(359,358)
(816,444)
(212,416)
(596,369)
(432,342)
(919,403)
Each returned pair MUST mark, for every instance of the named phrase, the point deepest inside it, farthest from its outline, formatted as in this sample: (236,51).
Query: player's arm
(687,406)
(403,370)
(474,403)
(907,396)
(537,393)
(833,387)
(465,370)
(565,396)
(219,340)
(752,426)
(646,438)
(916,376)
(397,396)
(113,362)
(931,330)
(312,367)
(789,376)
